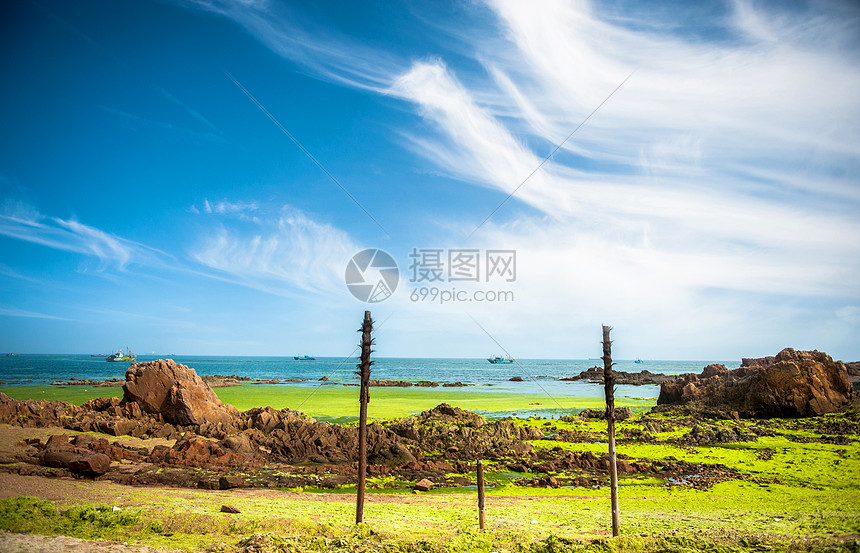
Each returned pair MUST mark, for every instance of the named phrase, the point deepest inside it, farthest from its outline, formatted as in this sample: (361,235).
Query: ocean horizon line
(387,357)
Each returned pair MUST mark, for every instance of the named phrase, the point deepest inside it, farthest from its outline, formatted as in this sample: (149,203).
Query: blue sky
(706,210)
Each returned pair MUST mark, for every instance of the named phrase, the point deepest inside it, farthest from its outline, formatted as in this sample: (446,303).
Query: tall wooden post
(482,517)
(609,387)
(364,399)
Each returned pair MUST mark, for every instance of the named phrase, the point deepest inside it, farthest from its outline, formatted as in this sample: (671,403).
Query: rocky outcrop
(460,434)
(58,452)
(194,451)
(35,413)
(795,384)
(595,375)
(621,413)
(299,442)
(176,393)
(261,433)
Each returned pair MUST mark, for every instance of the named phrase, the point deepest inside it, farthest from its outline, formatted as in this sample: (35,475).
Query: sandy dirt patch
(29,543)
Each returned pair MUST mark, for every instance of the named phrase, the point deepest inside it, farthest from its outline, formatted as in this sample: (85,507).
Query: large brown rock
(176,392)
(90,464)
(794,384)
(59,457)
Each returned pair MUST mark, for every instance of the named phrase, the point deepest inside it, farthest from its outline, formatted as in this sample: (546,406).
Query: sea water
(539,376)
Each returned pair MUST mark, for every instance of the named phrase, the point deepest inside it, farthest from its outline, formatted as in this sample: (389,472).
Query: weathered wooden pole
(364,399)
(609,387)
(482,516)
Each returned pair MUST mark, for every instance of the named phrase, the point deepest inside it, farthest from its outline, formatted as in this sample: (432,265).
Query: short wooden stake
(364,399)
(482,516)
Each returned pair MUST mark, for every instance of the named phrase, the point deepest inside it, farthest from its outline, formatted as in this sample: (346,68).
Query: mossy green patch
(73,394)
(31,515)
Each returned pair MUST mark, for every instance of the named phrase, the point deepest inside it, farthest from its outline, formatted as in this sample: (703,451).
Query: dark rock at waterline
(224,381)
(621,413)
(644,377)
(795,384)
(109,383)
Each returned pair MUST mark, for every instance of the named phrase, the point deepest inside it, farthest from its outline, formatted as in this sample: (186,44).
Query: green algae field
(791,488)
(339,403)
(783,485)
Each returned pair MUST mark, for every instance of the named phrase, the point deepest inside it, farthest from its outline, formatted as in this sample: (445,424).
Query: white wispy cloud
(720,178)
(711,157)
(286,32)
(24,222)
(15,312)
(246,211)
(282,254)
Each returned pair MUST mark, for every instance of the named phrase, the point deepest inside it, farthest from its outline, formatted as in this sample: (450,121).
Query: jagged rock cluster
(791,384)
(461,434)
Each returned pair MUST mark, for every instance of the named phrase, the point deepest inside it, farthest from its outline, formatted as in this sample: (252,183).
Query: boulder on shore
(794,384)
(176,392)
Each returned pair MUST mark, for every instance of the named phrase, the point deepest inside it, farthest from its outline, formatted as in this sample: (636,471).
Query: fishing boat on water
(120,357)
(499,360)
(304,358)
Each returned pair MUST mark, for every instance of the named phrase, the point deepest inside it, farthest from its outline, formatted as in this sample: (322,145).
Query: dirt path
(29,543)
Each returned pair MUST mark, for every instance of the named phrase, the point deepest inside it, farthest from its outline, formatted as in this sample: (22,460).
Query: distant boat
(638,361)
(304,358)
(120,357)
(499,360)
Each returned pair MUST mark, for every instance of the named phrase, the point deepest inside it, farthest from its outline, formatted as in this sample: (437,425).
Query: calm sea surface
(539,375)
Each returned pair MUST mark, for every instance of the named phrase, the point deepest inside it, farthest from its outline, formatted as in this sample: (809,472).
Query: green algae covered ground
(793,492)
(340,403)
(791,485)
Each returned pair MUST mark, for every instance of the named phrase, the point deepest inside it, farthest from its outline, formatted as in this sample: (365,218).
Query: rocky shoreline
(592,375)
(212,445)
